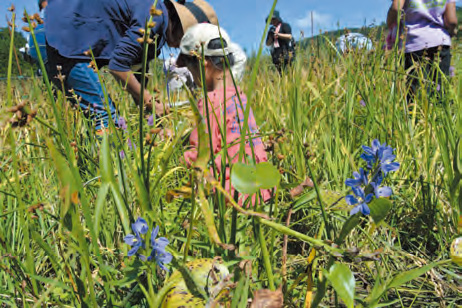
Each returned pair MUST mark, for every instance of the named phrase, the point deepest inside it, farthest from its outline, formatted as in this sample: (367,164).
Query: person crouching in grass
(222,96)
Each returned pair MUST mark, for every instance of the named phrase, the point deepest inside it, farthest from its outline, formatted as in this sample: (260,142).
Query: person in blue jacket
(111,30)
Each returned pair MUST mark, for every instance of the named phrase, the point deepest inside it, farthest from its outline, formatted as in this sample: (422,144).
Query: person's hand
(148,99)
(160,110)
(276,35)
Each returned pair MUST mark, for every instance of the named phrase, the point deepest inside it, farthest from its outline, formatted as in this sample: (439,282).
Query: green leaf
(381,288)
(244,178)
(405,277)
(348,226)
(105,162)
(268,176)
(69,186)
(343,281)
(379,209)
(457,164)
(100,203)
(109,181)
(248,179)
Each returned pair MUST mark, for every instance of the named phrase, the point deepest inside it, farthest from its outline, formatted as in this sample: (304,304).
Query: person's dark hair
(174,19)
(218,61)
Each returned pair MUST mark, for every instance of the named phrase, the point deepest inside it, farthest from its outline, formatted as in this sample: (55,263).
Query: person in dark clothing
(281,41)
(113,31)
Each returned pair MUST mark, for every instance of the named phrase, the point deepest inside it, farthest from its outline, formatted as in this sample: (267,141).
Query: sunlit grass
(67,198)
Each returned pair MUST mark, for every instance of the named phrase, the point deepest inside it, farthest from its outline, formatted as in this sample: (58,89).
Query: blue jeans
(86,86)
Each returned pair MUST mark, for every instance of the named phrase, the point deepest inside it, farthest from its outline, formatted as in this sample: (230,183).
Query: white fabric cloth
(240,58)
(177,76)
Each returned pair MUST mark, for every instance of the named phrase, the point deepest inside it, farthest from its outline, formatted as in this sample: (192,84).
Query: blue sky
(245,19)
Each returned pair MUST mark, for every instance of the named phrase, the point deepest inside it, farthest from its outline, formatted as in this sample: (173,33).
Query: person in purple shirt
(429,25)
(111,30)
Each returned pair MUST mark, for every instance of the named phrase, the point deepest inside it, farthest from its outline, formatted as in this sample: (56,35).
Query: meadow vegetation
(69,198)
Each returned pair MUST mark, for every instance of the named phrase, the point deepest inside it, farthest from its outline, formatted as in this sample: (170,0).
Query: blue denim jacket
(109,27)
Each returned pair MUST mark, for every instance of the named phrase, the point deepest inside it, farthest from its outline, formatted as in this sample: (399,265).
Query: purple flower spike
(362,103)
(151,120)
(122,154)
(452,71)
(122,123)
(130,144)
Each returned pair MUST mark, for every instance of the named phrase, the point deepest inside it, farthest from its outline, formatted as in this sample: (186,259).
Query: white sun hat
(201,35)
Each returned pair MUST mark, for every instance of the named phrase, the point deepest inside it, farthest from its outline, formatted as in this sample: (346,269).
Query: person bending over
(113,31)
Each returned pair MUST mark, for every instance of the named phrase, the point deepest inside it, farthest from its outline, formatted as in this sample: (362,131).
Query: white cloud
(320,20)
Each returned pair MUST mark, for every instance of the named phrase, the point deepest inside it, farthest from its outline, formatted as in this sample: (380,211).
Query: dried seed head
(140,40)
(87,53)
(38,18)
(141,30)
(12,8)
(155,12)
(280,156)
(148,138)
(155,130)
(152,24)
(59,68)
(34,25)
(26,29)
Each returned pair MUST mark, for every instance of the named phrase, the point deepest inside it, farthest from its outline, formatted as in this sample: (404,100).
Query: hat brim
(188,19)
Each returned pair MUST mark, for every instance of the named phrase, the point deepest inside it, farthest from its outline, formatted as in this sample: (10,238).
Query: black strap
(197,12)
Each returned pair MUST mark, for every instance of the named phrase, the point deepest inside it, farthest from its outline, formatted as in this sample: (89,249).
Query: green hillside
(374,31)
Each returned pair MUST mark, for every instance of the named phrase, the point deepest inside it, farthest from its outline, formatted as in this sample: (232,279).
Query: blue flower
(360,201)
(386,161)
(359,178)
(158,251)
(135,241)
(381,153)
(384,191)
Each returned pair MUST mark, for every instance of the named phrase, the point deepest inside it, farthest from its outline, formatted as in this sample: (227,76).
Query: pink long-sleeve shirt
(234,122)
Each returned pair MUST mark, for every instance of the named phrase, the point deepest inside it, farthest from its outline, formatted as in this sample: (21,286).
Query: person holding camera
(281,41)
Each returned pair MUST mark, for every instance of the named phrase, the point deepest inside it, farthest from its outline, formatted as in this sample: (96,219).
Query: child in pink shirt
(220,100)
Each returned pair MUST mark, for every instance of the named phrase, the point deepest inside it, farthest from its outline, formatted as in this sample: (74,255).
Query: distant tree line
(20,66)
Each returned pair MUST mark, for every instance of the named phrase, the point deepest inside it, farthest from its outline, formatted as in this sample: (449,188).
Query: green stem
(266,258)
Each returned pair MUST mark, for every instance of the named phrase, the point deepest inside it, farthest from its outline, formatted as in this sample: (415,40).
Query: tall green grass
(67,199)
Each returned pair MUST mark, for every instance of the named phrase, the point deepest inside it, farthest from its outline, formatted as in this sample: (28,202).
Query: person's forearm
(285,36)
(392,16)
(450,19)
(129,82)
